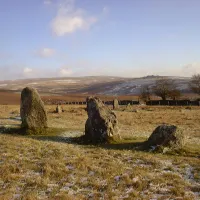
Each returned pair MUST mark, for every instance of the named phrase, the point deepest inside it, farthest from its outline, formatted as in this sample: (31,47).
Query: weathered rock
(59,109)
(102,124)
(32,111)
(167,136)
(115,104)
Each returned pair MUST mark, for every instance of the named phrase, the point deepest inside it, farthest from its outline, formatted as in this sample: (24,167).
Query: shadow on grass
(48,134)
(56,135)
(120,145)
(123,144)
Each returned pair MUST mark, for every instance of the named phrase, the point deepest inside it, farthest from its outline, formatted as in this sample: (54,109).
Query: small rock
(59,109)
(115,104)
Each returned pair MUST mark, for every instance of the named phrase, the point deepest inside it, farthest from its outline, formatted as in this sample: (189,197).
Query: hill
(102,85)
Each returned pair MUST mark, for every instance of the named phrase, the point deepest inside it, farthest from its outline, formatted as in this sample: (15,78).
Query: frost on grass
(51,169)
(43,169)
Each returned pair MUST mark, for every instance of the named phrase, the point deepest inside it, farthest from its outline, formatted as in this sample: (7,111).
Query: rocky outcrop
(102,124)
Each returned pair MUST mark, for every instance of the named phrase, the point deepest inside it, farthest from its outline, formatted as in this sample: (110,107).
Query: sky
(126,38)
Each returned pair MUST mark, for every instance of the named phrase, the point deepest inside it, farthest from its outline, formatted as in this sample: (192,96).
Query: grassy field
(56,167)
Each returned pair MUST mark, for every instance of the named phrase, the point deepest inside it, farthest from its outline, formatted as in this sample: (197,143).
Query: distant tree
(194,84)
(145,93)
(175,94)
(165,88)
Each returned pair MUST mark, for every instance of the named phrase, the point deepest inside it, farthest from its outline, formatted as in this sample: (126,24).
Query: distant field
(9,98)
(78,88)
(13,98)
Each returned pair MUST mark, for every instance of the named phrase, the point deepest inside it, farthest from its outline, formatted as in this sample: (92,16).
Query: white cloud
(65,72)
(27,70)
(45,52)
(70,19)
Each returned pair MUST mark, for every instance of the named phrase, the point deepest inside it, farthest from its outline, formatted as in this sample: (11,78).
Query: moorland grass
(54,166)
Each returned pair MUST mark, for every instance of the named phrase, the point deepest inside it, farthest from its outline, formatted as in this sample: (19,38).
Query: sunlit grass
(53,166)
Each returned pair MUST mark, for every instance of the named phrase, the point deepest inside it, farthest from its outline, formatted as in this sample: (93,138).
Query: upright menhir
(32,111)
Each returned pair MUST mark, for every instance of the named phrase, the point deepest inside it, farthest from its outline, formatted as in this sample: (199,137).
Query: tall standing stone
(32,111)
(115,104)
(102,124)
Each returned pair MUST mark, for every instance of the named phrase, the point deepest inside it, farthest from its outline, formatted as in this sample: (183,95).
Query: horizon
(83,38)
(73,77)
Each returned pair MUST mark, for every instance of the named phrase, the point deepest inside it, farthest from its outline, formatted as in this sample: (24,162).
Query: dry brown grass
(50,168)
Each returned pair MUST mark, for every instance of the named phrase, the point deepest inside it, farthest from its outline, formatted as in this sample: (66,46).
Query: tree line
(168,88)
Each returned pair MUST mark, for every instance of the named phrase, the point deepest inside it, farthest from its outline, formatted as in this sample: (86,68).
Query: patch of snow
(188,174)
(71,134)
(66,81)
(65,188)
(117,178)
(129,190)
(133,86)
(42,195)
(52,185)
(197,194)
(91,173)
(15,118)
(16,196)
(33,83)
(70,167)
(84,179)
(32,174)
(103,183)
(136,179)
(152,148)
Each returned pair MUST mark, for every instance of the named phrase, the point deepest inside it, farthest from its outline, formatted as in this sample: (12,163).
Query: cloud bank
(91,69)
(70,19)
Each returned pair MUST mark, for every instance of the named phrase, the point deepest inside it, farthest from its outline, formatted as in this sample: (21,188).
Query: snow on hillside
(95,85)
(134,86)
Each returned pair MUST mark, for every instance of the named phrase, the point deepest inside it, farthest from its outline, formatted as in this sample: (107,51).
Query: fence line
(123,102)
(173,103)
(132,102)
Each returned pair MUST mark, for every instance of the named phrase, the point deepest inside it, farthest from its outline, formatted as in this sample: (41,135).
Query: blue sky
(131,38)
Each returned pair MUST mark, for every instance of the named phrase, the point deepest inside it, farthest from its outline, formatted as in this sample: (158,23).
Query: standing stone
(102,124)
(129,107)
(167,136)
(59,109)
(32,111)
(115,104)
